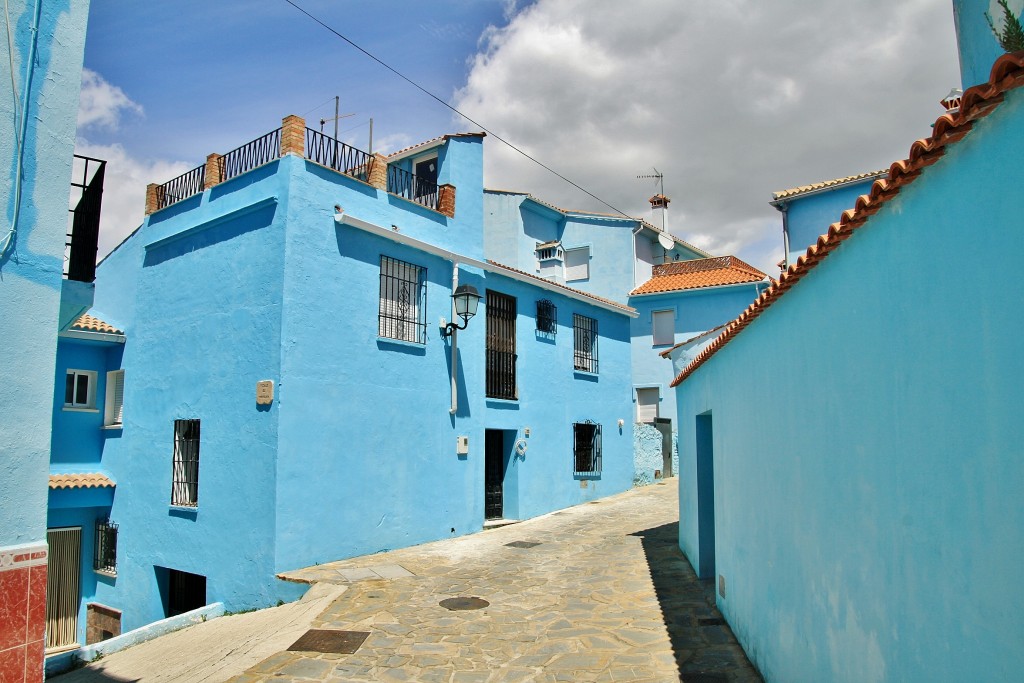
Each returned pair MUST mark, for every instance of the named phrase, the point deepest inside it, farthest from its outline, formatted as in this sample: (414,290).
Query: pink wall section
(22,614)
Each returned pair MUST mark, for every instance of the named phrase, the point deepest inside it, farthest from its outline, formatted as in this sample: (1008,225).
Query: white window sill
(185,508)
(117,427)
(74,409)
(401,342)
(104,572)
(585,373)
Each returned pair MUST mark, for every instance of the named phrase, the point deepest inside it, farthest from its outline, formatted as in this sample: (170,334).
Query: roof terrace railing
(84,220)
(405,184)
(260,151)
(325,150)
(182,187)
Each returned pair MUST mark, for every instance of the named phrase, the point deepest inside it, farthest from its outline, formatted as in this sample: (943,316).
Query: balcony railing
(84,219)
(325,150)
(260,151)
(405,184)
(182,187)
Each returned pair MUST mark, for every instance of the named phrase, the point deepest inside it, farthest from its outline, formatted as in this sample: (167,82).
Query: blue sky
(730,100)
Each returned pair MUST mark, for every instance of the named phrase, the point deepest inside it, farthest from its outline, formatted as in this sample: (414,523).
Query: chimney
(951,102)
(660,201)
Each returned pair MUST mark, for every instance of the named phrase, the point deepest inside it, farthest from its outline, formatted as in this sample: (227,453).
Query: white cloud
(124,188)
(101,104)
(731,100)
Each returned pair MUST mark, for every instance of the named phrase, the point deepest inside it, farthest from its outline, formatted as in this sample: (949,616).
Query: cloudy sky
(730,99)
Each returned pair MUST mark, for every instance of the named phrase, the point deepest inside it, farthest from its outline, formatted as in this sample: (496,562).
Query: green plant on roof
(1011,38)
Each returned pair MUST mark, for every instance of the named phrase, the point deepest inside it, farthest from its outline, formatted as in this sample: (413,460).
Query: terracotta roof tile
(705,272)
(623,307)
(431,141)
(804,189)
(80,481)
(87,323)
(978,102)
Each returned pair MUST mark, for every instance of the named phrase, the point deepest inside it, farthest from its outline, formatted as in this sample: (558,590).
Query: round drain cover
(464,603)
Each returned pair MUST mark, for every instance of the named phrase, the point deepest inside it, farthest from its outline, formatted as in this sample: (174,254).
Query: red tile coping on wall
(87,323)
(698,273)
(803,189)
(978,102)
(87,480)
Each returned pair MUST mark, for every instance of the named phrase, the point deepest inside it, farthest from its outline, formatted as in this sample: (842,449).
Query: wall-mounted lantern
(466,301)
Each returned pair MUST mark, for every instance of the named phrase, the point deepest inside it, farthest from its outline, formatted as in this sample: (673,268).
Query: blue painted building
(862,520)
(289,395)
(39,100)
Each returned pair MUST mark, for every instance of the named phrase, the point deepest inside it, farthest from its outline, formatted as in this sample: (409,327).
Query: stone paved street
(605,596)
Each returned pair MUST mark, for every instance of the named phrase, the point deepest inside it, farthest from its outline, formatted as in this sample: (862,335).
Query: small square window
(577,264)
(663,325)
(586,448)
(80,389)
(647,404)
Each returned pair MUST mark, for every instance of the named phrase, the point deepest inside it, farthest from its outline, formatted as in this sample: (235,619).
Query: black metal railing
(501,346)
(185,477)
(405,184)
(584,348)
(586,448)
(403,301)
(84,220)
(260,151)
(547,317)
(325,150)
(104,558)
(182,187)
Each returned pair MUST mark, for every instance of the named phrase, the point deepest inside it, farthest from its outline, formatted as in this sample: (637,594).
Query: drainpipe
(455,344)
(639,227)
(782,207)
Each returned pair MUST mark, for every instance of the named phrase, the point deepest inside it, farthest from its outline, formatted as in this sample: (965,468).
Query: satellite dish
(665,241)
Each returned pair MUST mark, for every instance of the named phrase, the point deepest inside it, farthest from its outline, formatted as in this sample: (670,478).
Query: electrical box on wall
(462,445)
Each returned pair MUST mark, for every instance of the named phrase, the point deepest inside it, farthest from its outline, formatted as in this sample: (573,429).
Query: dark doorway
(185,592)
(664,425)
(494,474)
(705,496)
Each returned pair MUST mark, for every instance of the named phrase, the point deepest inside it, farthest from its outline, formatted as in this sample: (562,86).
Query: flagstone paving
(606,595)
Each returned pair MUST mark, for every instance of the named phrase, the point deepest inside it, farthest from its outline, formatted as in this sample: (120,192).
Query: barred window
(547,317)
(501,346)
(104,558)
(584,331)
(586,448)
(403,301)
(185,475)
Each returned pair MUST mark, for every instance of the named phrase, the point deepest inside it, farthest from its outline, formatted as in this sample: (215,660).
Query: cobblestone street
(604,595)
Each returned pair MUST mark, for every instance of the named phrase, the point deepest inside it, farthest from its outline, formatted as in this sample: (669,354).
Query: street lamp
(466,300)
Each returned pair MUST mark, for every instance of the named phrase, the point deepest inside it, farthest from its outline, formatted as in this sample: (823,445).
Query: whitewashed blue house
(299,385)
(861,520)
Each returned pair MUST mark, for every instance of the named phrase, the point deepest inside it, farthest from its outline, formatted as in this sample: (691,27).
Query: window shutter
(664,323)
(577,264)
(114,404)
(646,405)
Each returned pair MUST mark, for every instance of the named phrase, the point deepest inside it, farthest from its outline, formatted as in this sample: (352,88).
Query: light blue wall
(696,311)
(78,436)
(48,78)
(867,510)
(975,40)
(809,216)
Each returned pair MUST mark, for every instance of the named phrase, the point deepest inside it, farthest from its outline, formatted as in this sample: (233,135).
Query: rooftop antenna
(335,119)
(659,178)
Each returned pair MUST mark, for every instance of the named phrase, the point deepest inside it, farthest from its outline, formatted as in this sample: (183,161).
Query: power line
(442,102)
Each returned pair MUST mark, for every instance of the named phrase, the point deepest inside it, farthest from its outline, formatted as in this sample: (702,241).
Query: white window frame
(572,271)
(113,404)
(648,419)
(402,301)
(666,339)
(90,404)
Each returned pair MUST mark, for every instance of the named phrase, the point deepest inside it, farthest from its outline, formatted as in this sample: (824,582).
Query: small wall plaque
(265,392)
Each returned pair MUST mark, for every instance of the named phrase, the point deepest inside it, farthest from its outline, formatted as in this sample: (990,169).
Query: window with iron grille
(501,346)
(584,345)
(104,558)
(586,448)
(185,475)
(547,317)
(403,301)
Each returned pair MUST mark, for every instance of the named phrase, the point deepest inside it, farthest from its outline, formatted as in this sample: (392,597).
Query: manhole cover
(711,621)
(463,603)
(329,640)
(522,544)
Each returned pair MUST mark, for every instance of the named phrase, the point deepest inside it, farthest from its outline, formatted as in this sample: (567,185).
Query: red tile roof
(705,272)
(978,102)
(80,481)
(616,304)
(87,323)
(431,141)
(804,189)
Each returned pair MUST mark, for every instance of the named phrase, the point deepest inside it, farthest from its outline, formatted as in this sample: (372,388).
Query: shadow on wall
(647,456)
(703,644)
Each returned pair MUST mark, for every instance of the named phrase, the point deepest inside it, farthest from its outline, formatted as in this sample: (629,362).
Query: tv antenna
(662,200)
(658,176)
(335,118)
